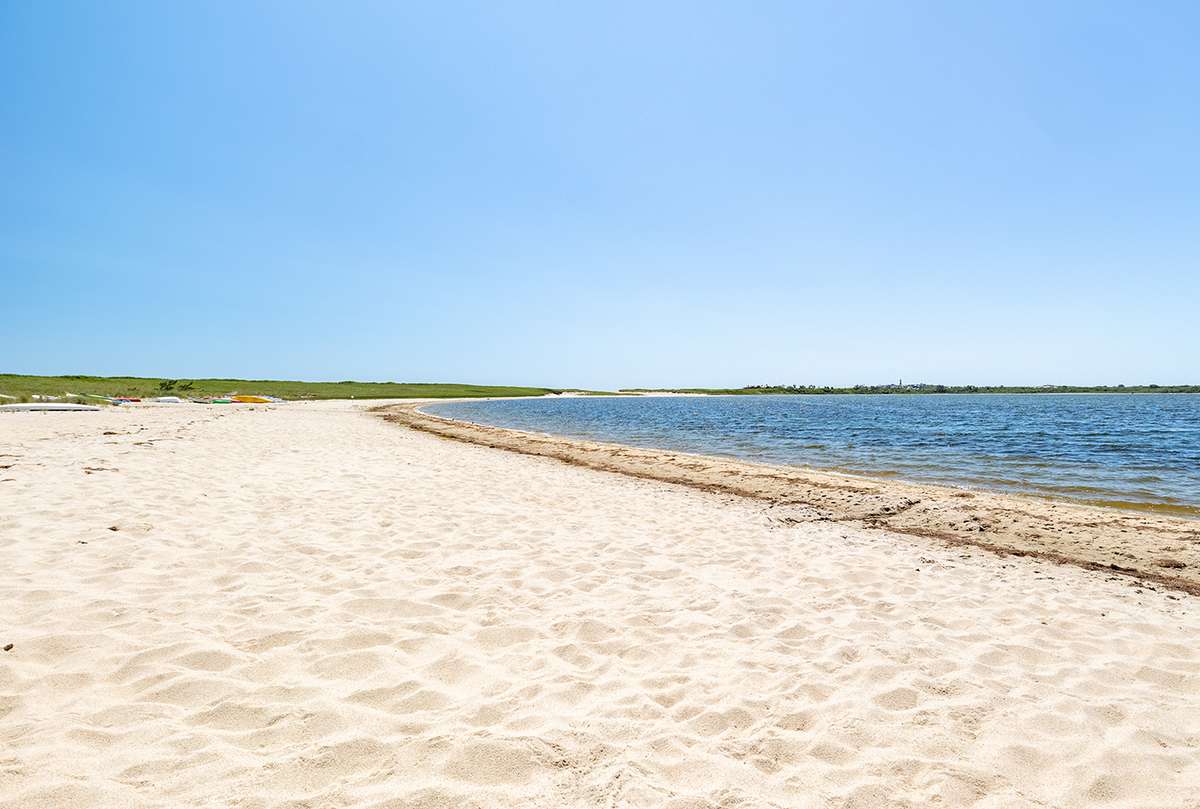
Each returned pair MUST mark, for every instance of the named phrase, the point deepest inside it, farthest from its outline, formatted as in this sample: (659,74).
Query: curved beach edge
(1155,550)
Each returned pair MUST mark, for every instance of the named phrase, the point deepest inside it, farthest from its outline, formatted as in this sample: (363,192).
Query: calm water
(1133,451)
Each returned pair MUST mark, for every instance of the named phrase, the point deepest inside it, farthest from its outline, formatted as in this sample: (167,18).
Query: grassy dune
(23,387)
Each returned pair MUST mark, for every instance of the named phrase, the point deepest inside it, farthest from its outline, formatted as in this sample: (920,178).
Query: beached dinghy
(97,398)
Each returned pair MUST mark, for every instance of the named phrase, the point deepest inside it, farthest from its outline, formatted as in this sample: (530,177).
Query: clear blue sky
(602,194)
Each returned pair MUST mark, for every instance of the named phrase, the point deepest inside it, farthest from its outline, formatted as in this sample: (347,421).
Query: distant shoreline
(17,386)
(921,391)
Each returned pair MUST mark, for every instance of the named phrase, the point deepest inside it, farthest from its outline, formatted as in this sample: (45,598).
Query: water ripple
(1141,450)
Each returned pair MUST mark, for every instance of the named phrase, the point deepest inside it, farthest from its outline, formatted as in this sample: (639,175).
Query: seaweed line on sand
(1102,540)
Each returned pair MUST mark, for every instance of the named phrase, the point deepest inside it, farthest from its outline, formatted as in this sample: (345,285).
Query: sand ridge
(305,606)
(1158,550)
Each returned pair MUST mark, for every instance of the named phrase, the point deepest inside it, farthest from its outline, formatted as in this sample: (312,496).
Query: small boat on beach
(98,398)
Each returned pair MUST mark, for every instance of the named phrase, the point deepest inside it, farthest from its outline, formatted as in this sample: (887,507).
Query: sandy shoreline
(303,605)
(1161,551)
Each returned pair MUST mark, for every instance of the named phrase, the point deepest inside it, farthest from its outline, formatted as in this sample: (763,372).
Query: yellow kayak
(251,399)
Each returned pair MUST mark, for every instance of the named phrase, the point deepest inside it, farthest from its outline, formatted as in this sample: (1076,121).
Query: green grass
(23,387)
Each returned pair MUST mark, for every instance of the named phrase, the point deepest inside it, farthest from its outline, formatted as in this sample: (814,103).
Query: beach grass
(23,388)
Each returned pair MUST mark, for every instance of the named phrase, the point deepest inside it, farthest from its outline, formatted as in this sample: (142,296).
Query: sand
(1157,550)
(303,605)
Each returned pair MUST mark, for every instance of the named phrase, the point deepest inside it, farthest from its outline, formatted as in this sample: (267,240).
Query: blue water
(1133,451)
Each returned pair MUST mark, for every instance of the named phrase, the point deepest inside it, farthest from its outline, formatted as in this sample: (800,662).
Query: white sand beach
(302,605)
